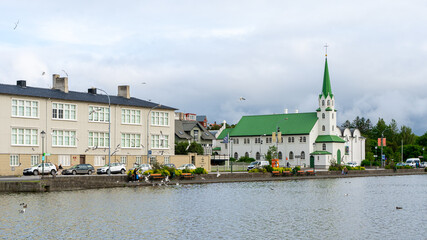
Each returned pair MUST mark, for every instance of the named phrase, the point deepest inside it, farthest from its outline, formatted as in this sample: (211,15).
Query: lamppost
(277,137)
(148,132)
(43,135)
(382,143)
(109,131)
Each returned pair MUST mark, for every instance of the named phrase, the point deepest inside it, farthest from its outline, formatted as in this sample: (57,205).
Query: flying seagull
(16,25)
(242,98)
(43,73)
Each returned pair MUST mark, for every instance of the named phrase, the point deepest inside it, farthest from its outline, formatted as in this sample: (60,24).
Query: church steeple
(326,89)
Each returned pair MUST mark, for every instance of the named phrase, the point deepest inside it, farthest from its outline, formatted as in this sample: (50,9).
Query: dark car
(79,169)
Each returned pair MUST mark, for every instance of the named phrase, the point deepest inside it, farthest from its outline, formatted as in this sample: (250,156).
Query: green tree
(407,136)
(412,151)
(196,148)
(181,148)
(422,140)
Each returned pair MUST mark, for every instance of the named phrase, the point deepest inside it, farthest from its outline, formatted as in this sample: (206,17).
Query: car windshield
(253,163)
(75,166)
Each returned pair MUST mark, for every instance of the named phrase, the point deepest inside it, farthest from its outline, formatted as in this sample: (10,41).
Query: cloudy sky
(202,56)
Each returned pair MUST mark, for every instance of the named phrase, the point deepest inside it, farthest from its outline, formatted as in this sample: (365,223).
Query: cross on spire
(326,49)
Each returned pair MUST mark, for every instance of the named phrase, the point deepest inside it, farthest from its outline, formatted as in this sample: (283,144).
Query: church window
(323,115)
(291,155)
(258,156)
(332,115)
(249,141)
(236,155)
(323,102)
(329,103)
(293,139)
(302,155)
(324,147)
(246,154)
(304,139)
(289,139)
(300,139)
(280,155)
(323,128)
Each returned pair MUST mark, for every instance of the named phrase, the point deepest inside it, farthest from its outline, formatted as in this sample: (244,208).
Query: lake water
(342,208)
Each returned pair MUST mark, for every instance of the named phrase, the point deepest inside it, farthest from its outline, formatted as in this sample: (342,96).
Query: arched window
(323,102)
(258,156)
(329,103)
(300,139)
(323,128)
(324,147)
(302,155)
(293,139)
(332,115)
(246,154)
(291,155)
(280,155)
(304,139)
(236,155)
(289,139)
(323,115)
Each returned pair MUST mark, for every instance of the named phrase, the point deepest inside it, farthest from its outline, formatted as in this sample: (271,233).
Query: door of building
(311,161)
(339,156)
(82,159)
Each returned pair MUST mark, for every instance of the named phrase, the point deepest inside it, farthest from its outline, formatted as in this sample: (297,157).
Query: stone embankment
(49,183)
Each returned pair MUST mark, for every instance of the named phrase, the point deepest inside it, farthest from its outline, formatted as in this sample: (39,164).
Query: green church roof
(224,133)
(289,124)
(328,109)
(326,89)
(329,138)
(320,153)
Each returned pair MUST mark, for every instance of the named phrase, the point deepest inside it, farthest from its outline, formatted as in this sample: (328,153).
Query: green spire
(326,90)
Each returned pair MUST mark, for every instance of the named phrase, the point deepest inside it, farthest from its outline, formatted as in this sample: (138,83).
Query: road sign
(383,157)
(149,152)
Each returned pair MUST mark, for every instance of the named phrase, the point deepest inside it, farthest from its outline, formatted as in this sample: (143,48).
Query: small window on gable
(323,128)
(324,147)
(323,115)
(323,102)
(329,103)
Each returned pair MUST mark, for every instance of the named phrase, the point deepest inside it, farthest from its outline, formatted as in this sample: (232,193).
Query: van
(257,164)
(413,162)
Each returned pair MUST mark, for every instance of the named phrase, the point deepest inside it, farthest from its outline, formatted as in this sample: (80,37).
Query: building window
(196,134)
(25,108)
(236,155)
(329,103)
(324,147)
(291,155)
(332,115)
(293,139)
(24,137)
(14,160)
(98,114)
(280,155)
(64,111)
(131,116)
(258,156)
(323,115)
(302,155)
(304,139)
(289,139)
(98,139)
(123,159)
(99,161)
(34,160)
(131,140)
(166,159)
(160,141)
(323,102)
(300,139)
(323,128)
(347,150)
(64,160)
(235,140)
(62,138)
(246,154)
(160,118)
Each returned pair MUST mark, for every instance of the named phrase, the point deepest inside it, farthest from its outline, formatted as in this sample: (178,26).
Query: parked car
(423,164)
(351,164)
(37,169)
(115,168)
(144,167)
(258,164)
(187,166)
(79,169)
(170,165)
(400,164)
(413,162)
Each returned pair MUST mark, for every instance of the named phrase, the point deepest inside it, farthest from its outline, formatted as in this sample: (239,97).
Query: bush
(365,163)
(256,170)
(200,171)
(335,167)
(246,159)
(296,169)
(268,168)
(187,171)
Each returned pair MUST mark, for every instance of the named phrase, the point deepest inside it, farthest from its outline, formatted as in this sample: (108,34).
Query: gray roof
(183,128)
(179,131)
(77,96)
(200,118)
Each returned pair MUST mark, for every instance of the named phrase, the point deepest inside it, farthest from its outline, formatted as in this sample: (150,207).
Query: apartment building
(73,127)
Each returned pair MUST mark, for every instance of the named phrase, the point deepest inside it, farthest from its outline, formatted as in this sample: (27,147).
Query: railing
(237,167)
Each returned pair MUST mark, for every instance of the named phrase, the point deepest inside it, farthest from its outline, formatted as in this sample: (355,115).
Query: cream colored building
(76,127)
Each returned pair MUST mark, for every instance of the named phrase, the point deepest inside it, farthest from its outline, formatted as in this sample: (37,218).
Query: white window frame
(166,159)
(98,114)
(64,160)
(30,108)
(64,138)
(130,140)
(131,116)
(98,139)
(35,160)
(123,159)
(14,160)
(138,159)
(159,118)
(24,137)
(159,141)
(99,161)
(64,111)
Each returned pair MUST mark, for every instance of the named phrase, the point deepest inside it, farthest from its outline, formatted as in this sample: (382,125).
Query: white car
(37,169)
(144,167)
(115,168)
(257,164)
(351,164)
(187,166)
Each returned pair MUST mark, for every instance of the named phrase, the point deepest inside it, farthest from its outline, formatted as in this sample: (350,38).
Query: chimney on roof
(124,91)
(21,83)
(286,111)
(296,110)
(60,83)
(91,90)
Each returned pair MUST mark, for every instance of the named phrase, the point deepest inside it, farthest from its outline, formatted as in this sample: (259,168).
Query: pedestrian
(345,170)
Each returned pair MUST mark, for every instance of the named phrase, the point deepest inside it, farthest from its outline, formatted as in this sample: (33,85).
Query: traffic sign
(383,156)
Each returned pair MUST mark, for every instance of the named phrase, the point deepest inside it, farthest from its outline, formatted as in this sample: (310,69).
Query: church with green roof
(310,139)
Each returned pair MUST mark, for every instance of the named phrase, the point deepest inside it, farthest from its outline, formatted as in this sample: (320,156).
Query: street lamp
(109,131)
(43,135)
(382,136)
(148,132)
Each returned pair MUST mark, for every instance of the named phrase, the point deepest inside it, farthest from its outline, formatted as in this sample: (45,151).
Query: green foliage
(268,168)
(246,159)
(187,170)
(354,168)
(271,153)
(365,163)
(335,167)
(182,148)
(256,170)
(200,171)
(422,140)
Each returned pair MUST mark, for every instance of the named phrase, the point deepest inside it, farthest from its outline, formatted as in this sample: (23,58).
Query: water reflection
(351,208)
